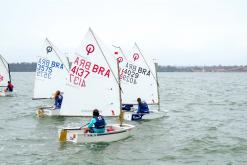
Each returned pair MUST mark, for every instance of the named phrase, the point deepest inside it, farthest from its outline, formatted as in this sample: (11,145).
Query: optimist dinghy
(93,83)
(114,132)
(51,72)
(138,80)
(4,78)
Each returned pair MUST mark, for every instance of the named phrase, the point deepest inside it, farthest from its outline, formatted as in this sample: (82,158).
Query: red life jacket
(10,87)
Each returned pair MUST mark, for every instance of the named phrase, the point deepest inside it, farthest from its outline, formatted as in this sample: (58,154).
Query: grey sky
(176,32)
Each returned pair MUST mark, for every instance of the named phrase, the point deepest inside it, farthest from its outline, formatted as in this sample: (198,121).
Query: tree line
(31,67)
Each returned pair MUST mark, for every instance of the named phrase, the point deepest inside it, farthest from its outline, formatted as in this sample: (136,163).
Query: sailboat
(139,79)
(51,73)
(4,77)
(93,84)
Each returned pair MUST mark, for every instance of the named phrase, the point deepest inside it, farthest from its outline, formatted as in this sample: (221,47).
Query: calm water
(205,123)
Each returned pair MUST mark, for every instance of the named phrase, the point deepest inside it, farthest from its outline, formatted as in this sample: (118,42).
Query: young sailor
(97,123)
(142,106)
(58,100)
(10,87)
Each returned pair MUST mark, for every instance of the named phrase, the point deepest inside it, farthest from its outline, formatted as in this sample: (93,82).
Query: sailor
(142,106)
(97,123)
(58,100)
(10,87)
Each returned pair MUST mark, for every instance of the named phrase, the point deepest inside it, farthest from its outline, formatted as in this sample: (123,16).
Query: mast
(158,91)
(9,73)
(121,116)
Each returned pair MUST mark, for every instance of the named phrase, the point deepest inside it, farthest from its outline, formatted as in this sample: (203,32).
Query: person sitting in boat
(97,123)
(58,100)
(10,87)
(142,106)
(127,107)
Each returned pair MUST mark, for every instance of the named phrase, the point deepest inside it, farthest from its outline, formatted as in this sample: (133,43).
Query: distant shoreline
(31,67)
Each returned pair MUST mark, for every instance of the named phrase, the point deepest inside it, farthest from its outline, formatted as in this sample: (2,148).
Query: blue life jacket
(143,108)
(58,102)
(100,122)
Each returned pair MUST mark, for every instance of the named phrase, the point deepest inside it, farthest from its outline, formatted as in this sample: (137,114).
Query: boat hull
(77,135)
(133,116)
(42,112)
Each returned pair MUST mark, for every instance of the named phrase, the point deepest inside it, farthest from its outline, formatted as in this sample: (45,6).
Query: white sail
(4,72)
(51,72)
(119,54)
(138,79)
(92,82)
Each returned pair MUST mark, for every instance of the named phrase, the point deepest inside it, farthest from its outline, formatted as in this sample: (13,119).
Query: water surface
(205,123)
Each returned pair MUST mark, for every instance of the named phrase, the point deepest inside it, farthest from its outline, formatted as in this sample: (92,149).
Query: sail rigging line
(158,91)
(57,54)
(147,64)
(103,55)
(121,115)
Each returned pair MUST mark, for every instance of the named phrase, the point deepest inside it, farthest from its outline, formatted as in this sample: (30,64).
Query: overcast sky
(176,32)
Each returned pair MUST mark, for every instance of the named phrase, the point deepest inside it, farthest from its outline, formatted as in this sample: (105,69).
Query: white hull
(41,112)
(7,94)
(130,116)
(77,135)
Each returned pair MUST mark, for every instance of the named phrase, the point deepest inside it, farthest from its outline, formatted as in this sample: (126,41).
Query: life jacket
(10,87)
(100,122)
(58,102)
(144,107)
